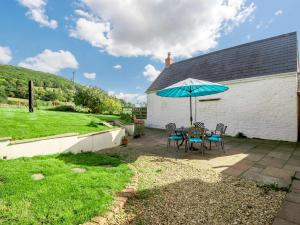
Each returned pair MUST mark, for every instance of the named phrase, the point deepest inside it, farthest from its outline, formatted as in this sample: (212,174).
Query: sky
(120,45)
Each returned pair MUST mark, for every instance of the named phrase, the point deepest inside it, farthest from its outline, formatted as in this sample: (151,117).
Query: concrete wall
(261,107)
(61,144)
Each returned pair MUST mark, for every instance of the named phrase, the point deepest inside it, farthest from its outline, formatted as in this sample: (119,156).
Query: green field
(20,124)
(63,196)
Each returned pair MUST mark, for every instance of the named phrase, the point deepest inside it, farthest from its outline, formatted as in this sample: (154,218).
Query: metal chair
(217,136)
(196,136)
(172,135)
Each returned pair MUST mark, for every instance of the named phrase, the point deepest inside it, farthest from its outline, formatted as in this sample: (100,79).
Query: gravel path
(175,190)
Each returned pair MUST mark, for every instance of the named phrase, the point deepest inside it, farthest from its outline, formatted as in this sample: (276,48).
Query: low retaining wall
(72,142)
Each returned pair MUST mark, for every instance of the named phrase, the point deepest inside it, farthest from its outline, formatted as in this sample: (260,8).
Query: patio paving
(262,161)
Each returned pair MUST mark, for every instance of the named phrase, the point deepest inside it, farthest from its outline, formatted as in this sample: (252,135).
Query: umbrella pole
(191,111)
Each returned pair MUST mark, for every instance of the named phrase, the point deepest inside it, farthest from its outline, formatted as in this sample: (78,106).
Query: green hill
(48,87)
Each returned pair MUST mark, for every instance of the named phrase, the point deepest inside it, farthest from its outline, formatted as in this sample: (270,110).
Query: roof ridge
(237,46)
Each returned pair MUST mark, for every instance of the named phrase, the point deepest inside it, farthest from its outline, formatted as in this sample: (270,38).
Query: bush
(126,118)
(90,98)
(64,108)
(139,130)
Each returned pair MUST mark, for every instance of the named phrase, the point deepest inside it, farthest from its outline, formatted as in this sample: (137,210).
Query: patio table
(183,131)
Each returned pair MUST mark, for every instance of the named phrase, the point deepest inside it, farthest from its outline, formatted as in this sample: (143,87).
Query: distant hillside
(48,87)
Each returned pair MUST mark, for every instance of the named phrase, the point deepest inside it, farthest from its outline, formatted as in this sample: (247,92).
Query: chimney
(168,60)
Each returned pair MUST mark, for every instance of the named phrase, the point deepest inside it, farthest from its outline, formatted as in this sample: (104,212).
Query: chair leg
(168,143)
(210,145)
(202,148)
(177,144)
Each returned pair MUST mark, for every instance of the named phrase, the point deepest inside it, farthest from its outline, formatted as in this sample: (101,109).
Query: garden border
(120,201)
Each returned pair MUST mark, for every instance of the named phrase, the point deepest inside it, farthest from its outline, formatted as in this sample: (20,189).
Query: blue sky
(120,47)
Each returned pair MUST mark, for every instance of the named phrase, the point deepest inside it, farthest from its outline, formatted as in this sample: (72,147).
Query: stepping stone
(78,170)
(37,176)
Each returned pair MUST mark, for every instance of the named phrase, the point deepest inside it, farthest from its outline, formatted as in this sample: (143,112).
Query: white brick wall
(262,107)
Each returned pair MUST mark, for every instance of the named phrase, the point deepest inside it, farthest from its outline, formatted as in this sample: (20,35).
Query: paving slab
(297,175)
(293,197)
(264,179)
(272,162)
(279,173)
(290,212)
(279,221)
(295,186)
(280,155)
(233,172)
(255,156)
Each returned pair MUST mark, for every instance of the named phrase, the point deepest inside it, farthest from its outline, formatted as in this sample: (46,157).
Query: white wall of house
(261,107)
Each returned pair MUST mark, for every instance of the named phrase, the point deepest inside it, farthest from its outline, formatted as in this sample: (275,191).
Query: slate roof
(269,56)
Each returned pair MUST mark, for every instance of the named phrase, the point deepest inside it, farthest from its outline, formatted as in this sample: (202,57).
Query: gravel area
(176,190)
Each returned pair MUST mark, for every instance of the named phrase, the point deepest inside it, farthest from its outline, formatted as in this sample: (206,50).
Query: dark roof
(259,58)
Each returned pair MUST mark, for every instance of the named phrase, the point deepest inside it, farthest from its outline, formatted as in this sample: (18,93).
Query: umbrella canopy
(191,88)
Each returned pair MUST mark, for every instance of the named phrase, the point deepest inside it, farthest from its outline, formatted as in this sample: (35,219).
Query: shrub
(64,108)
(126,118)
(139,130)
(240,135)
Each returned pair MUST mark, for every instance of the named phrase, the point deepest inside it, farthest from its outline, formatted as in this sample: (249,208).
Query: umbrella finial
(168,60)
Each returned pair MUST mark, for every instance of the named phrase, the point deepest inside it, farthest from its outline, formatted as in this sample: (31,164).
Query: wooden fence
(138,112)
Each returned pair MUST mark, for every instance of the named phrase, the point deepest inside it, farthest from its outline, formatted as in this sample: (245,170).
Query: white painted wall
(261,107)
(75,144)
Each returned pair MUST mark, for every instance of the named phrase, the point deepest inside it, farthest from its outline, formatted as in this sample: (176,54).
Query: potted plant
(125,140)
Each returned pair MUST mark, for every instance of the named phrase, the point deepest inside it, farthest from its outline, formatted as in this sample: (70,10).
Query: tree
(90,98)
(3,96)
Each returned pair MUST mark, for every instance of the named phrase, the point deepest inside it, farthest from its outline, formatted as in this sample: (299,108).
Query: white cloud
(51,61)
(118,67)
(150,72)
(134,98)
(90,76)
(278,12)
(36,11)
(91,31)
(152,28)
(5,55)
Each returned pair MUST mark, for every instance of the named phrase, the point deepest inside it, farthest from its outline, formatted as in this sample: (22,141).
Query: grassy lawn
(63,196)
(20,124)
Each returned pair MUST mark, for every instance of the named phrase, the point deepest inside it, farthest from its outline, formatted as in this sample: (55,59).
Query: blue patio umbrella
(191,88)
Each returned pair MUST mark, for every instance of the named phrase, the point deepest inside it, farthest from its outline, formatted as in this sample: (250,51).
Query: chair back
(219,128)
(223,130)
(170,128)
(196,132)
(199,124)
